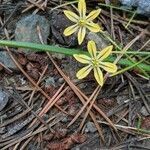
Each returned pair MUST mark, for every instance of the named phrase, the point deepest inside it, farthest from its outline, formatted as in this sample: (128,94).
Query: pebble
(100,41)
(143,6)
(70,67)
(50,81)
(4,98)
(59,22)
(144,111)
(7,61)
(61,80)
(90,127)
(26,29)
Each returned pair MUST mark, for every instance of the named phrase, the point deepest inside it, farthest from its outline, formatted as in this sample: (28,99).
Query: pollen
(82,22)
(95,63)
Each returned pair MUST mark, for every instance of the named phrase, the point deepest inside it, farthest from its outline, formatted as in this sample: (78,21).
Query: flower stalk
(54,49)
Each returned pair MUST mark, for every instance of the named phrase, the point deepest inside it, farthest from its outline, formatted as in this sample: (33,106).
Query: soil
(40,95)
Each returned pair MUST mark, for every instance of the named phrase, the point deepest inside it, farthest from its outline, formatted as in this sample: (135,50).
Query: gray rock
(143,6)
(26,29)
(50,82)
(61,80)
(2,130)
(144,112)
(100,41)
(4,97)
(122,99)
(129,3)
(7,61)
(59,22)
(70,67)
(90,127)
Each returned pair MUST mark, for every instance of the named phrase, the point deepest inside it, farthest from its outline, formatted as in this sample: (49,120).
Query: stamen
(95,63)
(82,22)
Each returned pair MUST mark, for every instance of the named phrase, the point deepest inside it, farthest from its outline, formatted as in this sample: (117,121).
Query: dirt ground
(43,105)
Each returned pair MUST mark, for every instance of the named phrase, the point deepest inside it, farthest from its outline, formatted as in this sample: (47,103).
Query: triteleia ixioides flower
(82,22)
(95,61)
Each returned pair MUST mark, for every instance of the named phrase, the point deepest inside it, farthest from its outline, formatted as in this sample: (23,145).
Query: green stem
(133,52)
(115,7)
(66,51)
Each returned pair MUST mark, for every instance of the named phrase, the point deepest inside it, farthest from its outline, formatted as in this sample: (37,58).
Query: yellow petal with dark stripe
(81,34)
(84,72)
(93,14)
(71,15)
(82,58)
(104,53)
(92,48)
(70,30)
(109,67)
(93,27)
(98,76)
(82,8)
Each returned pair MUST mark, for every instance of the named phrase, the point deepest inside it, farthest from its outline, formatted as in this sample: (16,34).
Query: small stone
(70,67)
(143,6)
(61,80)
(4,97)
(50,81)
(59,22)
(65,119)
(7,61)
(144,112)
(26,29)
(129,3)
(100,41)
(90,127)
(2,130)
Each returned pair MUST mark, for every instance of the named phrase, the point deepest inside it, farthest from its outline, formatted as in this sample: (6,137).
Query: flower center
(82,22)
(95,63)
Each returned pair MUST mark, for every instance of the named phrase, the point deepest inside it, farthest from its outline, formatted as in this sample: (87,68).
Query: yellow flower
(82,21)
(95,62)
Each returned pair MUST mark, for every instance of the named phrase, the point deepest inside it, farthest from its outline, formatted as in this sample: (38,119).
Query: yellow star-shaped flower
(82,21)
(95,62)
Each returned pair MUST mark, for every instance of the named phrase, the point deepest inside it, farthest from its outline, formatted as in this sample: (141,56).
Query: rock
(100,41)
(70,67)
(4,98)
(61,80)
(143,6)
(59,22)
(50,82)
(2,130)
(144,112)
(90,127)
(26,29)
(122,99)
(7,61)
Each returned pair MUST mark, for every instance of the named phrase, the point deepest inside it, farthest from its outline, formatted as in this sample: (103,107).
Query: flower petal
(93,27)
(81,34)
(82,58)
(70,30)
(82,73)
(104,53)
(92,48)
(71,15)
(82,8)
(98,76)
(109,67)
(93,14)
